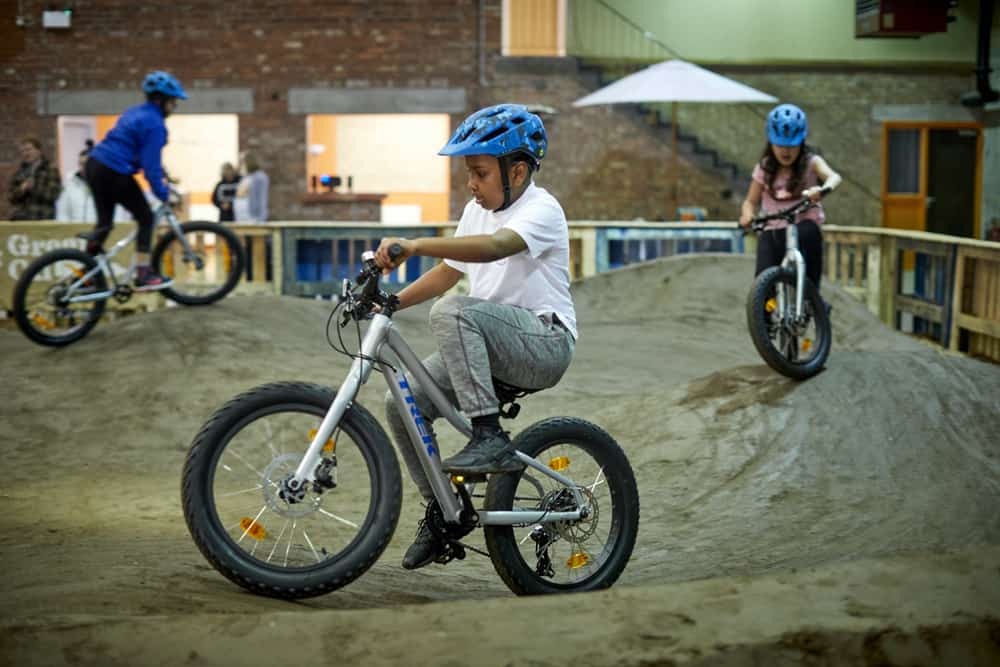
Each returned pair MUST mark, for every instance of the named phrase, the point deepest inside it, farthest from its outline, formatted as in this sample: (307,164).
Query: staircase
(609,45)
(599,73)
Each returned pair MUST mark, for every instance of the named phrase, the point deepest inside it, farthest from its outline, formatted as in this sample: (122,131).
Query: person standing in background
(76,203)
(35,185)
(225,193)
(252,195)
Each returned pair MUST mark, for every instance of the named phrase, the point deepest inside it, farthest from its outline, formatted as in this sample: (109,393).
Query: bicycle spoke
(236,493)
(338,518)
(289,547)
(277,541)
(309,542)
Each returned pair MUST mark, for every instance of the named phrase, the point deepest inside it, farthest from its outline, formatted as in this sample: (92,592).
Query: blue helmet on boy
(786,125)
(164,83)
(500,130)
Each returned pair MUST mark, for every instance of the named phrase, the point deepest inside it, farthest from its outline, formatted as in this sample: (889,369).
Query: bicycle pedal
(473,478)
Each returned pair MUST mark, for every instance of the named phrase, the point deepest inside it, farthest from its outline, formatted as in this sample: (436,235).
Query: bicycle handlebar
(757,224)
(365,294)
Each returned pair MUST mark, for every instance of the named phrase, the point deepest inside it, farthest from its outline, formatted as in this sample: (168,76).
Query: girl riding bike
(135,142)
(789,170)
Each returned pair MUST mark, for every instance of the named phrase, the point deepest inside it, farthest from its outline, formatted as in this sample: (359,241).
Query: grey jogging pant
(478,340)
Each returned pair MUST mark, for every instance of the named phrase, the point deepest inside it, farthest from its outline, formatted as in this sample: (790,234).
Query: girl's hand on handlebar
(383,258)
(815,193)
(745,220)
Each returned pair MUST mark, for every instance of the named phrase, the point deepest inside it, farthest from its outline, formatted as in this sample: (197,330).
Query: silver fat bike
(788,320)
(293,490)
(61,296)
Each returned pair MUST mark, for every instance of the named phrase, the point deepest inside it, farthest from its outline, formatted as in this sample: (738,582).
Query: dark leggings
(771,249)
(110,188)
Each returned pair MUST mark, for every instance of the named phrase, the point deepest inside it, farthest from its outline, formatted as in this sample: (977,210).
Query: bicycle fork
(793,259)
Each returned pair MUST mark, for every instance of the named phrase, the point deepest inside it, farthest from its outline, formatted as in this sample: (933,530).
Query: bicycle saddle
(508,394)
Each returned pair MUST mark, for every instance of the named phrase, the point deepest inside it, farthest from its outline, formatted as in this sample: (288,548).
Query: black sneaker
(489,451)
(426,548)
(147,280)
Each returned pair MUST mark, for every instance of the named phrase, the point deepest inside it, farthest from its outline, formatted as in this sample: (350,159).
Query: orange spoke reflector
(770,305)
(252,528)
(42,321)
(577,560)
(559,463)
(80,274)
(331,445)
(806,344)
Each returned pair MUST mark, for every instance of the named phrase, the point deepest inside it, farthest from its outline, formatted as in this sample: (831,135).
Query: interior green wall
(774,31)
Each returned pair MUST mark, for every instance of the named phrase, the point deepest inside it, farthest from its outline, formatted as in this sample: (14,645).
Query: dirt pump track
(849,519)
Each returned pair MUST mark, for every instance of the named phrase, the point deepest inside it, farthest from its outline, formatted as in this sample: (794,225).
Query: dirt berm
(851,519)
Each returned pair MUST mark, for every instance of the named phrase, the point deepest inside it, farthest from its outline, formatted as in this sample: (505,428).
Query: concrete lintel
(376,100)
(920,113)
(94,102)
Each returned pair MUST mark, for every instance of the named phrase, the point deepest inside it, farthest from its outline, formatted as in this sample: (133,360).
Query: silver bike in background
(293,490)
(788,320)
(61,296)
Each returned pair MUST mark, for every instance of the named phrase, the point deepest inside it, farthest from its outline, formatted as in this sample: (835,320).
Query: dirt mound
(891,449)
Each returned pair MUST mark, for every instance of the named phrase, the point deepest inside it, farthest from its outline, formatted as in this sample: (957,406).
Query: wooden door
(534,28)
(930,177)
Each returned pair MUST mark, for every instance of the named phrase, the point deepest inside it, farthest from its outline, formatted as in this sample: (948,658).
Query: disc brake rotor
(272,483)
(563,501)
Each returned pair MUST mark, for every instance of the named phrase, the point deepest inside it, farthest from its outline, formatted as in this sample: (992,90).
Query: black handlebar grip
(395,250)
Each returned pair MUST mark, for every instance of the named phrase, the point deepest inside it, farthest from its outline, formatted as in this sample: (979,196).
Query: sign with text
(21,243)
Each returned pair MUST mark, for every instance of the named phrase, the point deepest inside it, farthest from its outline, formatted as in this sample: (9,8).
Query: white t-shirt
(537,278)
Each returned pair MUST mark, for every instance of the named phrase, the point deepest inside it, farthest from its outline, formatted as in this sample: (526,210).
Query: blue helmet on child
(163,83)
(501,130)
(786,125)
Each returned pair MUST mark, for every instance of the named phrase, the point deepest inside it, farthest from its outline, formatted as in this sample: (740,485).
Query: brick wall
(604,162)
(268,46)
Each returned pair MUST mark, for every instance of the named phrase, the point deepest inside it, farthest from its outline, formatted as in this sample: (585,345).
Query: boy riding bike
(517,323)
(788,170)
(135,142)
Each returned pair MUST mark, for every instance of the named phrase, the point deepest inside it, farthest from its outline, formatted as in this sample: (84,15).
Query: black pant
(110,188)
(771,249)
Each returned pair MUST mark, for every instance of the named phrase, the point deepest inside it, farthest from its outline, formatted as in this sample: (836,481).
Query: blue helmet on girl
(786,125)
(501,130)
(163,83)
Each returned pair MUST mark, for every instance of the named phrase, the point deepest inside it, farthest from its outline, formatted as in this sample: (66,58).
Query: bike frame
(384,345)
(104,265)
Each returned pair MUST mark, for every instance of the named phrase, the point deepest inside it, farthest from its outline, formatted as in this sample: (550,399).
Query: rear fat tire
(237,255)
(763,286)
(241,568)
(24,283)
(501,541)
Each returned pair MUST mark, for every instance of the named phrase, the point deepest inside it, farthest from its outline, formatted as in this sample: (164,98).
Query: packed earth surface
(853,518)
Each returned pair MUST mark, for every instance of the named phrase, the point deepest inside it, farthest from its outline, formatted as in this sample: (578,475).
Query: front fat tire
(763,286)
(236,251)
(211,538)
(501,541)
(24,284)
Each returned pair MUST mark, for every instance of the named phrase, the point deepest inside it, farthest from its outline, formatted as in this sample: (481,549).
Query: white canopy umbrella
(674,81)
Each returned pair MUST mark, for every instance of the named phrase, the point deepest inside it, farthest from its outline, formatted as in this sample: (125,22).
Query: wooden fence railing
(943,288)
